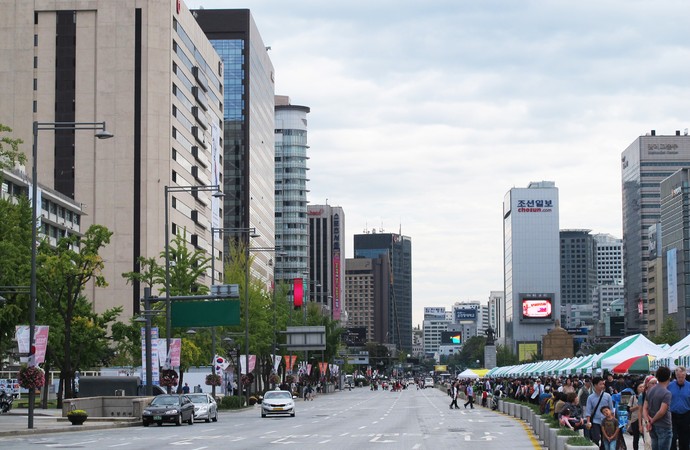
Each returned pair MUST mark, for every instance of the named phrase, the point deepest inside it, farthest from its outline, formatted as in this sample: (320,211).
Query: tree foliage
(15,268)
(10,155)
(63,272)
(668,334)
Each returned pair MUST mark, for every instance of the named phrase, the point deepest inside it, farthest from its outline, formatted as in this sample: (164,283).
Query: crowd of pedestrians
(657,406)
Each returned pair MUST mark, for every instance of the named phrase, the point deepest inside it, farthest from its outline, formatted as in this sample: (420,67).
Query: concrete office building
(435,323)
(496,316)
(398,248)
(292,224)
(532,275)
(578,277)
(609,259)
(249,126)
(367,284)
(326,273)
(675,226)
(59,215)
(644,164)
(145,68)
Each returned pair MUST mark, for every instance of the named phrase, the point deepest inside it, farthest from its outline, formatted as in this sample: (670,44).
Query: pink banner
(323,367)
(243,363)
(41,340)
(308,369)
(175,351)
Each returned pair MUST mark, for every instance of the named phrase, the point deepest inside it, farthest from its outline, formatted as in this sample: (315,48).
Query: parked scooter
(6,400)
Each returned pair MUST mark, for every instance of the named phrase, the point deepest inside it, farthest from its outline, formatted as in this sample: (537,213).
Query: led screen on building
(451,338)
(536,307)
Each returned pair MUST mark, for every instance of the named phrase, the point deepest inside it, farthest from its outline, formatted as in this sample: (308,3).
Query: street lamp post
(40,126)
(168,319)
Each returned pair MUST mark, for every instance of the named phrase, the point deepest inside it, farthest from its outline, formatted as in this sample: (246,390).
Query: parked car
(278,402)
(205,407)
(171,408)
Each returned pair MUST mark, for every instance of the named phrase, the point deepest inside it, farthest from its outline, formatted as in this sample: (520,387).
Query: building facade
(578,277)
(248,132)
(148,71)
(292,223)
(644,164)
(366,296)
(326,274)
(532,266)
(398,248)
(675,251)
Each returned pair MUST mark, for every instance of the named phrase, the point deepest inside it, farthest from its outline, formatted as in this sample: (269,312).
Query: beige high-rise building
(149,72)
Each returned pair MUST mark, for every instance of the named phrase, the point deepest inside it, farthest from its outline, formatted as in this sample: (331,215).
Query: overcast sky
(425,113)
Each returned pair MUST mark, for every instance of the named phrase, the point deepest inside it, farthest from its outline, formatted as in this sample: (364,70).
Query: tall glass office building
(248,138)
(398,249)
(292,224)
(532,274)
(644,164)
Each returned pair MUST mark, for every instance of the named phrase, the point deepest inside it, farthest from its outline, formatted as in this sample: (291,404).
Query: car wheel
(160,424)
(215,417)
(178,420)
(146,424)
(292,414)
(263,414)
(191,419)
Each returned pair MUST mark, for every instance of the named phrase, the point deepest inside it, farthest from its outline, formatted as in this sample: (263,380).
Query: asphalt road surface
(357,419)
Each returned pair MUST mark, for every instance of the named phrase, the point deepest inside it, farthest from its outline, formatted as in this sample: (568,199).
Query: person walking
(593,416)
(454,391)
(656,409)
(470,396)
(680,410)
(634,409)
(583,394)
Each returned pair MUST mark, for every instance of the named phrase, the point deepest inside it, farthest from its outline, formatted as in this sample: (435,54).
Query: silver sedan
(205,407)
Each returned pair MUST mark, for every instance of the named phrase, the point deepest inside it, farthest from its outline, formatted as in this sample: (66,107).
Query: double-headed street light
(41,126)
(167,190)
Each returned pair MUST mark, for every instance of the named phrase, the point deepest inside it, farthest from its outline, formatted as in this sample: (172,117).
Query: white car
(205,407)
(278,402)
(428,382)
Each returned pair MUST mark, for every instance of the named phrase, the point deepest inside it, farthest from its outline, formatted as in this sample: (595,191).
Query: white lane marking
(325,442)
(362,427)
(119,445)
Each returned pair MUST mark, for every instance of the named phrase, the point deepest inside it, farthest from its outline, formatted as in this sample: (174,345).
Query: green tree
(473,351)
(505,357)
(10,155)
(668,334)
(63,273)
(15,268)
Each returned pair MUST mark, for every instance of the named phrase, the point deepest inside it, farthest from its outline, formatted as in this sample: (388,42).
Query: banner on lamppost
(276,362)
(155,367)
(243,363)
(22,334)
(169,358)
(290,361)
(323,367)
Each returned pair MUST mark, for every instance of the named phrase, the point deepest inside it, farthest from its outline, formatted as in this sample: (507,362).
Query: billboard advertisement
(462,314)
(536,307)
(451,338)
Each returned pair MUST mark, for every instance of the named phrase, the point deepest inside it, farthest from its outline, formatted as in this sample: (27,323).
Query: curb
(67,429)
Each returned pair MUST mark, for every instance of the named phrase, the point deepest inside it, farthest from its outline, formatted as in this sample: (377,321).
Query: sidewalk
(16,422)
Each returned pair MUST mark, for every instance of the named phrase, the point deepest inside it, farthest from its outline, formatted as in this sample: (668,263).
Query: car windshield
(198,398)
(162,400)
(282,394)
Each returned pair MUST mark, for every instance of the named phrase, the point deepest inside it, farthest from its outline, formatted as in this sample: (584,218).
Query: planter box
(581,447)
(560,442)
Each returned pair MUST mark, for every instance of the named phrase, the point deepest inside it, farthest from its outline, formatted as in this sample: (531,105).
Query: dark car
(171,408)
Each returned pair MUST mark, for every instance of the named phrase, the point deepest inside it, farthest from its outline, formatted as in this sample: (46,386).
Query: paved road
(360,419)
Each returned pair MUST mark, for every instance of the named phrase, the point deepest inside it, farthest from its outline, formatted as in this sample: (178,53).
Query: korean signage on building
(534,206)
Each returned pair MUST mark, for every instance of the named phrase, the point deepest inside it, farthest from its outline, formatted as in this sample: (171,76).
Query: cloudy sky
(425,113)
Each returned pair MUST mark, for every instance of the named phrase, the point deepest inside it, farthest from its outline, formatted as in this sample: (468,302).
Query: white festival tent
(635,345)
(675,355)
(467,374)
